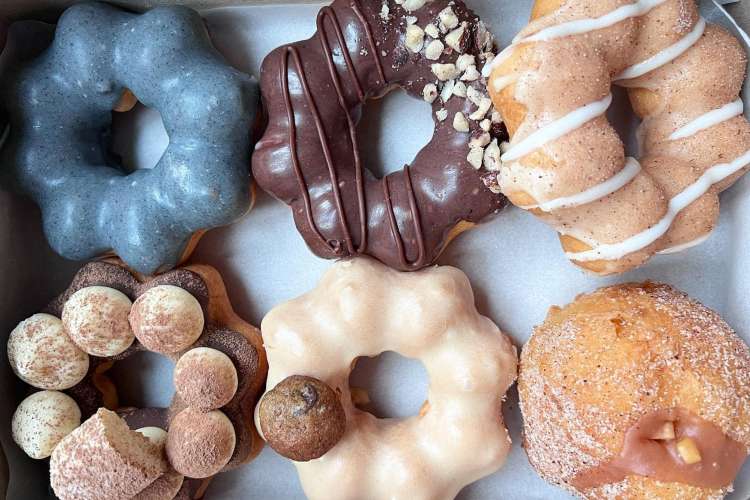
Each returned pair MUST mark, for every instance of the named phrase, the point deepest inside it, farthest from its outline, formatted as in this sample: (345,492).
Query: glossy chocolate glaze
(89,396)
(641,455)
(309,157)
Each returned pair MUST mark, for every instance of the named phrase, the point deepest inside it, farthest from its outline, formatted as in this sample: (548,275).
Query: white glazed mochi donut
(363,308)
(566,163)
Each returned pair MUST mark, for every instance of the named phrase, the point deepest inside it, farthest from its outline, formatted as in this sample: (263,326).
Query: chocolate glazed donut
(309,157)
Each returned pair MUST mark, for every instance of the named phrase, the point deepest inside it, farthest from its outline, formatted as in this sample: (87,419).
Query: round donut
(636,391)
(363,308)
(314,93)
(566,162)
(60,102)
(226,346)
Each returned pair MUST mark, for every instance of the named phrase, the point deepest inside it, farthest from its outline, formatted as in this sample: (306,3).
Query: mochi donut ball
(205,378)
(42,420)
(43,356)
(636,391)
(167,319)
(200,444)
(96,318)
(301,418)
(166,486)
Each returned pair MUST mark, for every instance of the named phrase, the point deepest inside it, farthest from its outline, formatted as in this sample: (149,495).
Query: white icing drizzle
(558,128)
(709,120)
(4,136)
(665,56)
(501,82)
(581,26)
(615,183)
(685,246)
(692,193)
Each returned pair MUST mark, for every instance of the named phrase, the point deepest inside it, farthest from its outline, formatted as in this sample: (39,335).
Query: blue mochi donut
(60,109)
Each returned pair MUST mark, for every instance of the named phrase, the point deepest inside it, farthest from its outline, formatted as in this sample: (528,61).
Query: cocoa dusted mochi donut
(314,92)
(362,308)
(60,109)
(636,391)
(109,314)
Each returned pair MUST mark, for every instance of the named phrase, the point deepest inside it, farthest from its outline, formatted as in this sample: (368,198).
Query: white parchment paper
(514,262)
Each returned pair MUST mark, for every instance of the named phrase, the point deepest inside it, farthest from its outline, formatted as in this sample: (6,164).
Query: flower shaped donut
(363,308)
(107,315)
(566,163)
(60,105)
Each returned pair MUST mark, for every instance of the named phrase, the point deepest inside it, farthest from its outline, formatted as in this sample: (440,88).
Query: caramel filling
(671,446)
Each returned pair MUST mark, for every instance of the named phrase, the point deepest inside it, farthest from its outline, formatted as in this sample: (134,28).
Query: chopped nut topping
(432,31)
(484,38)
(430,92)
(484,106)
(688,451)
(464,61)
(476,154)
(445,71)
(453,39)
(504,147)
(497,117)
(411,20)
(474,95)
(460,89)
(447,91)
(448,18)
(434,50)
(411,5)
(492,157)
(385,11)
(485,125)
(441,114)
(480,141)
(460,123)
(664,433)
(414,38)
(471,74)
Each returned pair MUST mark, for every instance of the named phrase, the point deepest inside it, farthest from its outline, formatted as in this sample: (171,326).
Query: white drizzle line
(615,183)
(685,246)
(581,26)
(692,193)
(577,27)
(501,82)
(665,56)
(558,128)
(4,136)
(709,120)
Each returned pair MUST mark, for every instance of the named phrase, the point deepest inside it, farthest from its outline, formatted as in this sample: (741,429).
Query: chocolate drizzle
(314,91)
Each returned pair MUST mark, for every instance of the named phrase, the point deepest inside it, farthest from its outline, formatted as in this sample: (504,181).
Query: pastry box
(513,261)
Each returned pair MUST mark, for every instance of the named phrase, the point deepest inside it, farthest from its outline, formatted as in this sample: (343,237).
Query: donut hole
(625,121)
(138,138)
(397,386)
(392,130)
(144,380)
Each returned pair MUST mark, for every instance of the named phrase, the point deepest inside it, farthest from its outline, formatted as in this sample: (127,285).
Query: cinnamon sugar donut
(363,308)
(192,297)
(636,391)
(314,92)
(566,163)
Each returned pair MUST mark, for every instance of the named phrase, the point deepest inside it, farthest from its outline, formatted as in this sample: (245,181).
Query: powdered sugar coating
(167,319)
(42,355)
(42,420)
(96,318)
(597,365)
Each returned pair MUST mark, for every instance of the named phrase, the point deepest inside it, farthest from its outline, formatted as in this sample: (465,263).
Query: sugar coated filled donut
(61,102)
(314,92)
(636,391)
(566,162)
(363,308)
